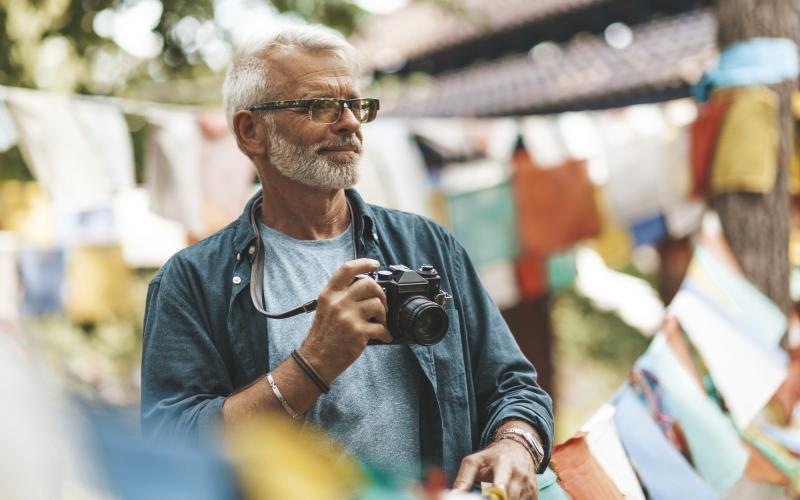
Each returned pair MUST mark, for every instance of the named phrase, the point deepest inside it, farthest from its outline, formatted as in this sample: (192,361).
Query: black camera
(416,314)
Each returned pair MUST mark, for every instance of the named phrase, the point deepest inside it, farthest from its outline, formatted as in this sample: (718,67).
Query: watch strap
(532,442)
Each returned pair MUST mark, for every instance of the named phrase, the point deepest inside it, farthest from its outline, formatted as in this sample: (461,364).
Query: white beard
(305,165)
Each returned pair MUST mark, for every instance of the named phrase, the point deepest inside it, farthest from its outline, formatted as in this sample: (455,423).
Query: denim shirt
(204,339)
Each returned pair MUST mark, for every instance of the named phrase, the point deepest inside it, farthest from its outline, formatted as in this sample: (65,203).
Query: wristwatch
(533,444)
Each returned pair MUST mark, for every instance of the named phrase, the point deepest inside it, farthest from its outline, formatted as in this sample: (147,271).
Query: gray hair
(248,80)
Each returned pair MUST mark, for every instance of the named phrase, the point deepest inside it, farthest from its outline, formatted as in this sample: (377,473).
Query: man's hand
(505,463)
(348,315)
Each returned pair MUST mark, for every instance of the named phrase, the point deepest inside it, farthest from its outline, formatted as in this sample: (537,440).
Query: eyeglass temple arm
(280,105)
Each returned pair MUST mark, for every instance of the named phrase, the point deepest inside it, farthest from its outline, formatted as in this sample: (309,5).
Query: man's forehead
(299,68)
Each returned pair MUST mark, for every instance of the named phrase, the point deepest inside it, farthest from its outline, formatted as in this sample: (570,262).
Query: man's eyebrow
(325,95)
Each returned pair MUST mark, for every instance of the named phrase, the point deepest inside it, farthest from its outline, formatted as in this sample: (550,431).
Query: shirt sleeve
(505,381)
(184,377)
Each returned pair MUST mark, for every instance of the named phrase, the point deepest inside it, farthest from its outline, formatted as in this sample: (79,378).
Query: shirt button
(237,280)
(251,250)
(375,236)
(238,256)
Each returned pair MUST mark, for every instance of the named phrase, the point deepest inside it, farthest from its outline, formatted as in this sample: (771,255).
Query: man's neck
(304,213)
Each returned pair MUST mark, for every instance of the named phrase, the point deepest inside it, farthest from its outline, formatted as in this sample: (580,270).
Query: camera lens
(423,321)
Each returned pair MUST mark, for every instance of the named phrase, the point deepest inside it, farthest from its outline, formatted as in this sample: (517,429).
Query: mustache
(343,142)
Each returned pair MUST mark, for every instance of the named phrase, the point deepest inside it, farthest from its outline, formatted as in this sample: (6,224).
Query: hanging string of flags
(518,193)
(79,149)
(86,222)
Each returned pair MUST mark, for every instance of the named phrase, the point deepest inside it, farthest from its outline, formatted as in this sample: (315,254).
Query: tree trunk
(757,225)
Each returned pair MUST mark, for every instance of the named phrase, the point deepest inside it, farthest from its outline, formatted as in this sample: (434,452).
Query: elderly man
(469,402)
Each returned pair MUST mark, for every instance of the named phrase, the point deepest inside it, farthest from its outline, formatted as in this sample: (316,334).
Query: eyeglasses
(327,110)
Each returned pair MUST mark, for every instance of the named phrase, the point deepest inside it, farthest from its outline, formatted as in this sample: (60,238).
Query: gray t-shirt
(373,407)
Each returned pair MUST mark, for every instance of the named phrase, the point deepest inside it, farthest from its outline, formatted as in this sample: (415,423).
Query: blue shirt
(204,339)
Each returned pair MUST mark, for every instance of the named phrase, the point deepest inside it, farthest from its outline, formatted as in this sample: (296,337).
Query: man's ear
(250,133)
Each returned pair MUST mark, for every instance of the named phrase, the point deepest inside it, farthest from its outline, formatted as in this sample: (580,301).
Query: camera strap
(257,270)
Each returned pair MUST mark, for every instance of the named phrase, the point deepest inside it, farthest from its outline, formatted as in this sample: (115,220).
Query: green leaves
(97,49)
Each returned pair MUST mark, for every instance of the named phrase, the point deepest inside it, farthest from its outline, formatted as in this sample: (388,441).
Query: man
(470,402)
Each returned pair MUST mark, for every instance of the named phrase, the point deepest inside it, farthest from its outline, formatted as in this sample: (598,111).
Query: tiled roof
(423,27)
(664,57)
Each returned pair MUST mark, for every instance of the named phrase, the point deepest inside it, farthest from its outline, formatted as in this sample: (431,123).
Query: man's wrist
(326,370)
(535,460)
(525,434)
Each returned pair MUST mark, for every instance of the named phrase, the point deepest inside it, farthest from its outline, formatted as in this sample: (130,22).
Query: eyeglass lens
(329,110)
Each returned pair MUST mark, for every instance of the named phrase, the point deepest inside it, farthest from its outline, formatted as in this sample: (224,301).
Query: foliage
(594,352)
(98,362)
(599,335)
(68,30)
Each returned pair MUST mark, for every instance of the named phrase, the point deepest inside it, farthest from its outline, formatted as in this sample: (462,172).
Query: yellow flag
(277,459)
(746,156)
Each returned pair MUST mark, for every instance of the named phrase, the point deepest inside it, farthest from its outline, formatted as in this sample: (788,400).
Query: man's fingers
(343,276)
(373,310)
(501,475)
(366,289)
(377,331)
(514,489)
(534,490)
(468,471)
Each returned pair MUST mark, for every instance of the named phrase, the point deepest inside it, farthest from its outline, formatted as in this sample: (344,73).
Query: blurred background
(559,140)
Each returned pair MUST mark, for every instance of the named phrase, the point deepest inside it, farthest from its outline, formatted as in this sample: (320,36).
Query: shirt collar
(364,222)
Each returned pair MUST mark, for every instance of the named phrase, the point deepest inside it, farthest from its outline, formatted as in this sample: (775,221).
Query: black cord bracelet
(311,372)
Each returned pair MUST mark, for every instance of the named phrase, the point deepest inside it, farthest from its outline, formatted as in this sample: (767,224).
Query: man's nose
(347,123)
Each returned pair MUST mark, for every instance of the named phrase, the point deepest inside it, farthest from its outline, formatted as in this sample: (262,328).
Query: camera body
(415,302)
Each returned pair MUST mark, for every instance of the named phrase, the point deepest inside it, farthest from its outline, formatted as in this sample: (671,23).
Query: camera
(415,302)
